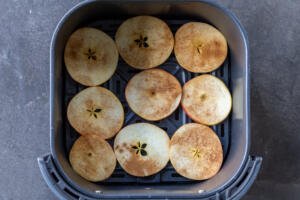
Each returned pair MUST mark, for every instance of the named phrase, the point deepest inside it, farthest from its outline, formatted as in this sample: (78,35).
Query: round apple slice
(92,158)
(91,56)
(142,149)
(153,94)
(144,42)
(96,110)
(196,151)
(199,47)
(206,99)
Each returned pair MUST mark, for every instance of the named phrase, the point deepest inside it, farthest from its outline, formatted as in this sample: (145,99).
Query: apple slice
(199,47)
(96,110)
(153,94)
(92,158)
(196,151)
(91,56)
(206,99)
(144,41)
(142,149)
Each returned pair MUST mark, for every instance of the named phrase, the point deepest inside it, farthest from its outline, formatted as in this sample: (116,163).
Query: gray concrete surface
(274,33)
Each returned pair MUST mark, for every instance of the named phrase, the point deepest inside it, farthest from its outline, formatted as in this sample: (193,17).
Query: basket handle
(54,181)
(245,180)
(235,191)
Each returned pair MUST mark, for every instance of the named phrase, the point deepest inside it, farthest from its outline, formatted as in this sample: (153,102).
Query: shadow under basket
(238,171)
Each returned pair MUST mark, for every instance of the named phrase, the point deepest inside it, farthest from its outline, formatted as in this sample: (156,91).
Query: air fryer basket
(238,171)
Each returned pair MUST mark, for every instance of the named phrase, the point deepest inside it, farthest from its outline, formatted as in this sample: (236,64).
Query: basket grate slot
(221,71)
(149,179)
(222,130)
(176,175)
(242,180)
(125,108)
(165,128)
(116,175)
(69,192)
(177,114)
(54,177)
(117,85)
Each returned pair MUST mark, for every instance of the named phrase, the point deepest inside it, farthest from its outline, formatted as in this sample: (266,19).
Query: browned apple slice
(206,99)
(92,158)
(142,149)
(144,41)
(196,151)
(91,56)
(199,47)
(153,94)
(96,110)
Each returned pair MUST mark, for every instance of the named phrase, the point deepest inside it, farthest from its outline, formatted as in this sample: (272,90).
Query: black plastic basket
(238,171)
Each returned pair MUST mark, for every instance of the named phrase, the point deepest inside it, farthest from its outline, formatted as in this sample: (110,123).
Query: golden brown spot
(103,58)
(217,43)
(203,97)
(191,137)
(137,165)
(219,53)
(214,50)
(73,54)
(183,171)
(89,103)
(76,43)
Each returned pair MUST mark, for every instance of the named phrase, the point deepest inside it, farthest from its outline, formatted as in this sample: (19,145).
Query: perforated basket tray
(238,170)
(117,85)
